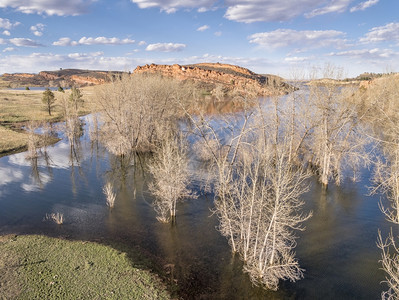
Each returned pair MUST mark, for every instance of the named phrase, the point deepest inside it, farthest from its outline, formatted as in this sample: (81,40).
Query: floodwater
(337,250)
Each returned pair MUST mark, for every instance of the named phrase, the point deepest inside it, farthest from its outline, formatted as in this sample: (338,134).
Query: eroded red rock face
(215,73)
(210,74)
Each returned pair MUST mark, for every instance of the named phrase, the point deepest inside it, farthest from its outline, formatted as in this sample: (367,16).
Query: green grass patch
(39,267)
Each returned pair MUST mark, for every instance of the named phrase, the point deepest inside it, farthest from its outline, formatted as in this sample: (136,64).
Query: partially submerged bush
(57,218)
(109,194)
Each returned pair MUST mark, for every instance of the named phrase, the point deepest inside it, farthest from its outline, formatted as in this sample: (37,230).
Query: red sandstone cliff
(230,76)
(209,75)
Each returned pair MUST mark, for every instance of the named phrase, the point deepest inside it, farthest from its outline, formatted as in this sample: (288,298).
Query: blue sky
(267,36)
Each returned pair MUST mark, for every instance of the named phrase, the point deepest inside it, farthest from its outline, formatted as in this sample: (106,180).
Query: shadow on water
(337,249)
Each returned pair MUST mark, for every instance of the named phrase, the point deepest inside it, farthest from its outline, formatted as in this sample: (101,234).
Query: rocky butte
(211,74)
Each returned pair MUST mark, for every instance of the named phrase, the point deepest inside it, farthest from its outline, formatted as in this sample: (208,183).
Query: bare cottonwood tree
(276,187)
(390,264)
(257,191)
(135,108)
(335,142)
(170,176)
(33,139)
(381,97)
(379,101)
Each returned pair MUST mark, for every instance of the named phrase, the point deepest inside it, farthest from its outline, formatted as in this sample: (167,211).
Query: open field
(20,106)
(39,267)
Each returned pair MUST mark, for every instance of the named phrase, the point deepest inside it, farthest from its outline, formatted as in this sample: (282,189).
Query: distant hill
(62,77)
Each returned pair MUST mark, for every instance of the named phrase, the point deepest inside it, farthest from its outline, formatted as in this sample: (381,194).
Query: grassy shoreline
(21,106)
(40,267)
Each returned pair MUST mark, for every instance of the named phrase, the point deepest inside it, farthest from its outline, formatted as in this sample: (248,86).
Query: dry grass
(12,140)
(19,107)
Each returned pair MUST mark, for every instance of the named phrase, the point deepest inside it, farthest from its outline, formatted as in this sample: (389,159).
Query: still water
(337,250)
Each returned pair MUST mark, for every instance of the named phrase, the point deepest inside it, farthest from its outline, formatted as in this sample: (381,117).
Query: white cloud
(165,47)
(267,11)
(6,32)
(3,41)
(37,29)
(368,54)
(364,5)
(36,62)
(334,6)
(218,33)
(65,41)
(203,28)
(305,39)
(298,59)
(389,32)
(9,49)
(23,42)
(7,24)
(171,6)
(53,7)
(79,56)
(104,41)
(249,11)
(142,43)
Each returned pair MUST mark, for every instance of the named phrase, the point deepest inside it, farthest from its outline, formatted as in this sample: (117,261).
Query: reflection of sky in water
(34,174)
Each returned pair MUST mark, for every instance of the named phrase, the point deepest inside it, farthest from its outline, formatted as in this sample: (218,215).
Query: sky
(281,37)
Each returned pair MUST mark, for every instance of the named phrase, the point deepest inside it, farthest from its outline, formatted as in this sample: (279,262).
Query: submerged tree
(257,191)
(382,104)
(135,109)
(110,196)
(33,139)
(170,177)
(379,102)
(390,264)
(48,100)
(335,142)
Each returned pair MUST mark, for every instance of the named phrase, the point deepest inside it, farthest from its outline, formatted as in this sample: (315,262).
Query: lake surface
(338,248)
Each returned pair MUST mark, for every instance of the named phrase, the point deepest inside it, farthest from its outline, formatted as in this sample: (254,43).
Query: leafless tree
(381,96)
(33,139)
(257,191)
(390,264)
(134,109)
(170,176)
(379,102)
(335,142)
